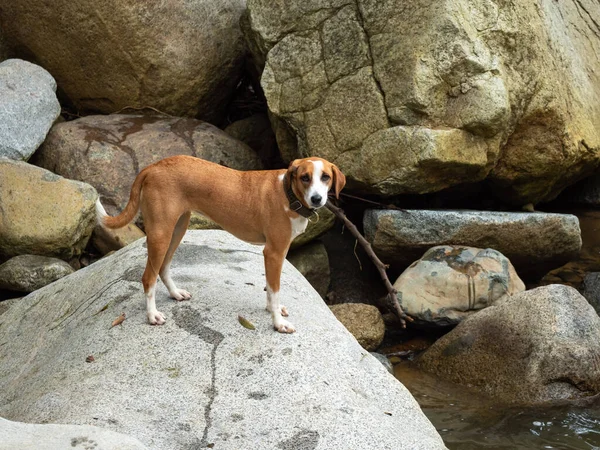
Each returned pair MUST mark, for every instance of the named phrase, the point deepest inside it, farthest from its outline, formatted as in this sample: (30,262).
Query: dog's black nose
(316,199)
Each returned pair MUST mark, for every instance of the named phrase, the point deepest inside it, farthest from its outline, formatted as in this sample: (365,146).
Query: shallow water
(467,420)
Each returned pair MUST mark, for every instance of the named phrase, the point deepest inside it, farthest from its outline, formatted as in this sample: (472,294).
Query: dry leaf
(119,320)
(90,359)
(246,323)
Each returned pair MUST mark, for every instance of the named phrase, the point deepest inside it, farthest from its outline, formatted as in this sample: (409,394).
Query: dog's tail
(130,210)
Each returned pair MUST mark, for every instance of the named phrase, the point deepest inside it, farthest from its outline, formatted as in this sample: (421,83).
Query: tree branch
(391,298)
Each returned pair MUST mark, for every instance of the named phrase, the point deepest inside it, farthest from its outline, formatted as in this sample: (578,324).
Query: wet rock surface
(535,347)
(214,381)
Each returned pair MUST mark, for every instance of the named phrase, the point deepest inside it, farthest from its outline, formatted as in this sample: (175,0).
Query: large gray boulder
(109,151)
(202,378)
(28,436)
(42,213)
(183,58)
(535,347)
(449,283)
(416,99)
(533,242)
(29,107)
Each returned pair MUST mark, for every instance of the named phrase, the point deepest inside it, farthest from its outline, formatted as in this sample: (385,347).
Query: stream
(468,420)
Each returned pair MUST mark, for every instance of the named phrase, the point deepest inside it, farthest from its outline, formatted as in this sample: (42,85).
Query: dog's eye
(305,178)
(325,177)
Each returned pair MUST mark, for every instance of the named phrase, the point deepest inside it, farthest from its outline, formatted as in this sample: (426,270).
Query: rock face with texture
(28,436)
(256,132)
(533,242)
(449,283)
(183,58)
(29,107)
(27,273)
(537,346)
(591,290)
(42,213)
(313,263)
(363,321)
(109,151)
(214,381)
(413,98)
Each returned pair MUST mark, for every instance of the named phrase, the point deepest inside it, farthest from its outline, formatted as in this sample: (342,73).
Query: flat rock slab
(201,378)
(533,242)
(28,436)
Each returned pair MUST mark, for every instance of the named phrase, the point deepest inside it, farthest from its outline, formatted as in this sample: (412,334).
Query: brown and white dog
(266,207)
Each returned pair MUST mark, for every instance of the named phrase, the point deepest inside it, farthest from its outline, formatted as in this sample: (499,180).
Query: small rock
(28,273)
(363,321)
(534,347)
(449,283)
(312,261)
(29,107)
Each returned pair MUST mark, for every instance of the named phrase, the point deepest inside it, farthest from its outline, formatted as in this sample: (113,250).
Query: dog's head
(312,179)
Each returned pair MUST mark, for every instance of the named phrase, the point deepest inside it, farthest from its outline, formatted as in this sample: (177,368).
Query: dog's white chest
(298,226)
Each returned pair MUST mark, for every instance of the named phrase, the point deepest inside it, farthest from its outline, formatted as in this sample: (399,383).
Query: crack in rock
(191,321)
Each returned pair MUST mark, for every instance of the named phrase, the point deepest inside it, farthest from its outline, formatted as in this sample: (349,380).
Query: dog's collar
(295,204)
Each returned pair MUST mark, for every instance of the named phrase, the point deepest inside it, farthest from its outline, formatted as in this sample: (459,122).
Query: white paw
(282,310)
(180,294)
(284,327)
(156,318)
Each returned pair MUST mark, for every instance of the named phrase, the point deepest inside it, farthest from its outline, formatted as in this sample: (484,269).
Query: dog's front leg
(274,258)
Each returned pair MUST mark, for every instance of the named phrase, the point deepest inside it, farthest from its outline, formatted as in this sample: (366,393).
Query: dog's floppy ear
(339,180)
(292,169)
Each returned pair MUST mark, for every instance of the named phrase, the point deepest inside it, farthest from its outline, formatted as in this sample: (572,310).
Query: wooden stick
(392,299)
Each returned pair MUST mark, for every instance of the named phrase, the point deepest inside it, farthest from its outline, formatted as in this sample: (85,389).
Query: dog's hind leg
(165,275)
(158,242)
